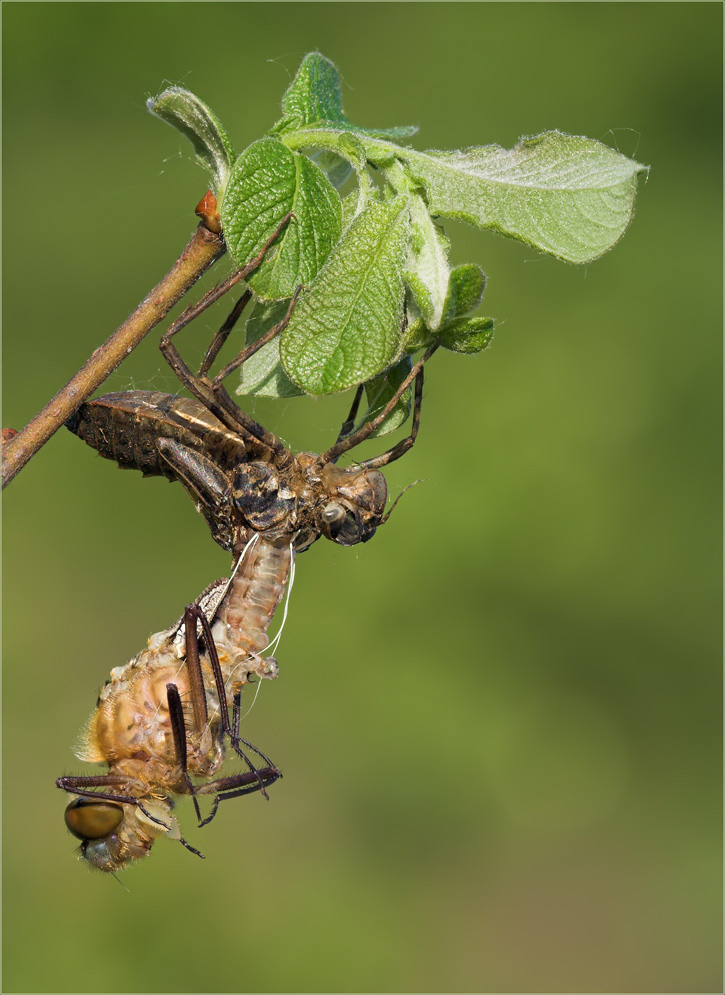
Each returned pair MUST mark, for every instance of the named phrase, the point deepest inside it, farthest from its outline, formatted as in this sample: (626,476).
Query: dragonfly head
(353,504)
(114,834)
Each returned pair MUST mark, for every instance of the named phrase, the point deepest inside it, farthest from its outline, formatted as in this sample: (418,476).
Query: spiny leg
(224,400)
(231,415)
(79,785)
(253,347)
(349,423)
(221,336)
(196,685)
(196,678)
(230,730)
(228,413)
(198,386)
(236,786)
(234,737)
(237,713)
(402,447)
(178,730)
(363,433)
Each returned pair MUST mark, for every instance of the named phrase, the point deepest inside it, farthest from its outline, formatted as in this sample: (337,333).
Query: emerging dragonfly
(165,716)
(250,489)
(241,476)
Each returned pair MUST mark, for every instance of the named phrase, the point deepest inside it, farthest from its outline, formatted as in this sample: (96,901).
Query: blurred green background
(499,722)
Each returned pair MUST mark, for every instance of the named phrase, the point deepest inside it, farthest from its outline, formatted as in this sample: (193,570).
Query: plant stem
(204,248)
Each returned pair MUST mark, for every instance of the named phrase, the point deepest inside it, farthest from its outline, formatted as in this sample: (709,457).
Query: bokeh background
(499,722)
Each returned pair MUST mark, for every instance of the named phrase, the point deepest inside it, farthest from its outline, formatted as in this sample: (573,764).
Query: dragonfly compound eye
(89,820)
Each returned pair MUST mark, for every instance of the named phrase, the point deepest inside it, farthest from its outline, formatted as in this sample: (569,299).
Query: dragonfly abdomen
(125,426)
(240,627)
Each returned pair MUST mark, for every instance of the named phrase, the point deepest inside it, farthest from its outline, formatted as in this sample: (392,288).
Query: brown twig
(203,249)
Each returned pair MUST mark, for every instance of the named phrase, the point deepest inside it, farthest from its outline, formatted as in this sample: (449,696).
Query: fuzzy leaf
(268,181)
(262,373)
(571,197)
(184,111)
(427,270)
(467,335)
(345,329)
(338,154)
(417,335)
(465,291)
(314,100)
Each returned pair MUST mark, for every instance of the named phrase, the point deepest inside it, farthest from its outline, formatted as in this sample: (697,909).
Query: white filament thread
(275,642)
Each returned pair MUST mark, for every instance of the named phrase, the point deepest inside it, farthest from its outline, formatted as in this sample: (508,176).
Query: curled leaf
(184,111)
(314,100)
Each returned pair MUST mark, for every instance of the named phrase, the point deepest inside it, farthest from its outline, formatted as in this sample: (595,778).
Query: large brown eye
(89,820)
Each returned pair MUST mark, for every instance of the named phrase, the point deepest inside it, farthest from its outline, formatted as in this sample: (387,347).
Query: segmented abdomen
(125,425)
(243,617)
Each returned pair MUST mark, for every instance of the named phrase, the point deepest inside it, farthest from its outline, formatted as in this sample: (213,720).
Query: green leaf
(350,206)
(184,111)
(337,154)
(467,335)
(427,271)
(380,390)
(345,329)
(465,291)
(267,182)
(262,373)
(416,335)
(571,197)
(314,100)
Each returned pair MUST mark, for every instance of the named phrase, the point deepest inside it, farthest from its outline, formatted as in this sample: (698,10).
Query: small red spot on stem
(9,433)
(206,209)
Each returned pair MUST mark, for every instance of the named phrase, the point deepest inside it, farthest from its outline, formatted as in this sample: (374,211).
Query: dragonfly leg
(405,444)
(365,431)
(221,336)
(201,477)
(236,738)
(200,386)
(236,786)
(349,423)
(196,678)
(195,613)
(222,396)
(82,785)
(178,730)
(253,347)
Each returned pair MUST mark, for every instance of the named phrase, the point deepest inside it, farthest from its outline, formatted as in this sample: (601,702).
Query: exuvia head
(353,504)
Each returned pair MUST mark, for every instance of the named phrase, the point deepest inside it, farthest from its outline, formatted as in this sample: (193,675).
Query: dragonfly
(164,718)
(251,489)
(241,476)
